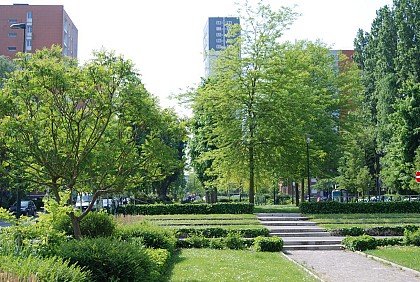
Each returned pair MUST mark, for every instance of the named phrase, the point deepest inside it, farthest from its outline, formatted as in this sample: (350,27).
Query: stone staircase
(298,233)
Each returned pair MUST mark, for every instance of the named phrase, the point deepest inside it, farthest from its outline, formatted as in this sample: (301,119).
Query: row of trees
(383,149)
(90,128)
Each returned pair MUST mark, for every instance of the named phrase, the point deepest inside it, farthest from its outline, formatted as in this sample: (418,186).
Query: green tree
(253,112)
(64,126)
(389,58)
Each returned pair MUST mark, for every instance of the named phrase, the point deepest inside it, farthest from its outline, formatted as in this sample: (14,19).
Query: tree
(253,112)
(389,57)
(64,125)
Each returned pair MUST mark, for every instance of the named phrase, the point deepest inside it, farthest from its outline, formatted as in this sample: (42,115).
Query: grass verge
(231,265)
(407,256)
(276,209)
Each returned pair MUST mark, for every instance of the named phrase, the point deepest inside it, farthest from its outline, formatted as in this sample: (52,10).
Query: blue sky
(164,38)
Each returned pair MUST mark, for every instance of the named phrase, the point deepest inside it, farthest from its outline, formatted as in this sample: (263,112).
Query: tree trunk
(302,198)
(75,222)
(251,175)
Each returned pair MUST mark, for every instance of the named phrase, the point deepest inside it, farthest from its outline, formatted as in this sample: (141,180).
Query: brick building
(44,25)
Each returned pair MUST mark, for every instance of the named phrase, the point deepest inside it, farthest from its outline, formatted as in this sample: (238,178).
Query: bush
(374,231)
(160,259)
(151,235)
(37,269)
(360,243)
(94,224)
(382,242)
(219,232)
(218,208)
(268,244)
(363,207)
(234,241)
(108,259)
(412,237)
(352,231)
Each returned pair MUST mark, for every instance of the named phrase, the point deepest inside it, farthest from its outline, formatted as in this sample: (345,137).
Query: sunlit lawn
(231,265)
(407,256)
(276,209)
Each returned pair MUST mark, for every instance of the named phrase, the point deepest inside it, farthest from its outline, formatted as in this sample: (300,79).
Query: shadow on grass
(176,258)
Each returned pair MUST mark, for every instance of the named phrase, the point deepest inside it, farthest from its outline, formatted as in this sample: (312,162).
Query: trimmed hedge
(363,207)
(374,231)
(268,244)
(156,209)
(218,232)
(367,242)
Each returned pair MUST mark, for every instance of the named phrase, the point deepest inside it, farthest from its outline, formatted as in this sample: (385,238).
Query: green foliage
(52,269)
(382,242)
(332,207)
(234,241)
(218,232)
(218,208)
(412,237)
(160,259)
(374,231)
(108,259)
(151,236)
(268,244)
(360,243)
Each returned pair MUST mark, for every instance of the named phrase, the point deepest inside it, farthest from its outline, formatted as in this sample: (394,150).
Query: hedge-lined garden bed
(218,208)
(333,207)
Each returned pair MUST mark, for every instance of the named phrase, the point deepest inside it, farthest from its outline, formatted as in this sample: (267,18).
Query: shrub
(108,259)
(218,232)
(37,269)
(363,207)
(360,243)
(197,241)
(152,236)
(382,242)
(268,244)
(352,231)
(94,224)
(216,243)
(412,237)
(374,231)
(160,259)
(234,241)
(218,208)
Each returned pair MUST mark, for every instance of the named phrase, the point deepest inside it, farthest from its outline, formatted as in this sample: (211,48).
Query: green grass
(199,216)
(276,209)
(407,256)
(333,221)
(231,265)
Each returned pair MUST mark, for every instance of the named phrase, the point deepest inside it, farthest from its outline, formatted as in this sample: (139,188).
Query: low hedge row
(218,232)
(367,242)
(156,209)
(331,207)
(235,242)
(374,231)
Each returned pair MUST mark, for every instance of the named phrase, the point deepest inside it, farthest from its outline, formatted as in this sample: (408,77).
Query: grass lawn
(276,209)
(332,221)
(407,256)
(231,265)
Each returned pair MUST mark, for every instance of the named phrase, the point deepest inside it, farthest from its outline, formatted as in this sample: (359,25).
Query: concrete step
(294,229)
(300,234)
(278,214)
(288,223)
(313,241)
(312,247)
(282,218)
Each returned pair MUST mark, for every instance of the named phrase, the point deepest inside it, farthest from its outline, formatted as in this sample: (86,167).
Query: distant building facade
(215,39)
(45,25)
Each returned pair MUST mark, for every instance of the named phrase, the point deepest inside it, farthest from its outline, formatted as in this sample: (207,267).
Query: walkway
(347,266)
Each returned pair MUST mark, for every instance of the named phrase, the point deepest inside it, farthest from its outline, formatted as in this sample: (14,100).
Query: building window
(29,28)
(28,43)
(218,40)
(12,34)
(229,22)
(218,28)
(218,46)
(29,15)
(11,48)
(12,20)
(219,22)
(218,34)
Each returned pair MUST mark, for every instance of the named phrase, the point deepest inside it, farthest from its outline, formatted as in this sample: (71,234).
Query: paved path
(347,266)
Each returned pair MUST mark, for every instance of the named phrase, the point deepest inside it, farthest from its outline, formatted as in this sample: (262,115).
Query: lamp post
(19,26)
(309,170)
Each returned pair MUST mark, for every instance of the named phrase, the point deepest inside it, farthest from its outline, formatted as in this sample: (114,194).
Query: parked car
(27,208)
